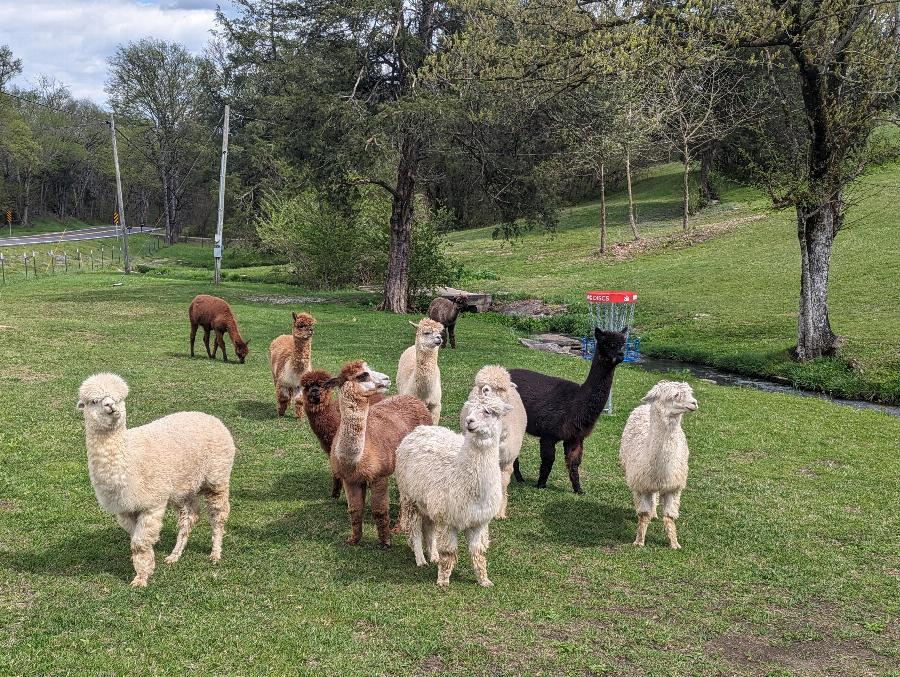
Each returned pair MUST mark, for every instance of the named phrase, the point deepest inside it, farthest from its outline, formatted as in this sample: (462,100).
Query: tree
(157,82)
(10,66)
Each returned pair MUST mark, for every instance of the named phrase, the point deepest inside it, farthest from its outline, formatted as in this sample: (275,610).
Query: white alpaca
(654,454)
(136,473)
(497,380)
(418,373)
(450,484)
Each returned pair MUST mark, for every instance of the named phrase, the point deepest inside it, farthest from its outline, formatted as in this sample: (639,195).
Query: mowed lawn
(790,562)
(732,300)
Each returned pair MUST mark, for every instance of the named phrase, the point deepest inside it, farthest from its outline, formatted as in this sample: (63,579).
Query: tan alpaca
(363,451)
(418,373)
(290,356)
(136,473)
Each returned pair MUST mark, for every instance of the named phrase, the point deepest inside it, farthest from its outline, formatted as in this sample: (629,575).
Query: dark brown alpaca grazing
(214,314)
(363,452)
(324,413)
(558,409)
(447,312)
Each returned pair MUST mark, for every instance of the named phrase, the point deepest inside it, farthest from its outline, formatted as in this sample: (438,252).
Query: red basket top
(611,297)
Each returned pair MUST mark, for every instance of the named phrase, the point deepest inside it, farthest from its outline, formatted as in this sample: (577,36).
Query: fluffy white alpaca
(495,379)
(417,372)
(654,455)
(136,473)
(450,484)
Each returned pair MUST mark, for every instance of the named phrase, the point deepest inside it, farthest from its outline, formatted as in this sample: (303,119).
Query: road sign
(116,217)
(9,216)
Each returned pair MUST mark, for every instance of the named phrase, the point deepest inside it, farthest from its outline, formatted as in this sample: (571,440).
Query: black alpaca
(558,409)
(446,312)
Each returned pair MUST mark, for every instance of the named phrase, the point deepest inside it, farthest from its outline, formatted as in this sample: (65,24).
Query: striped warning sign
(116,217)
(9,216)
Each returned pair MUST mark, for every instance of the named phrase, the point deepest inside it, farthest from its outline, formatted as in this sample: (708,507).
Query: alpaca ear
(80,405)
(247,342)
(624,330)
(513,386)
(653,394)
(486,390)
(413,324)
(331,383)
(294,315)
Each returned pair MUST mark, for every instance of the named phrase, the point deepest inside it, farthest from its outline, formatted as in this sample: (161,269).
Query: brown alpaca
(289,358)
(324,413)
(364,449)
(446,312)
(214,314)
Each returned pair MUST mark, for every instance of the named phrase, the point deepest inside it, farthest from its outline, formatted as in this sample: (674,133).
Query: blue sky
(69,40)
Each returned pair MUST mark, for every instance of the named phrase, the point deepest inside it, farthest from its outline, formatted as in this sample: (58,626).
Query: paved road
(93,233)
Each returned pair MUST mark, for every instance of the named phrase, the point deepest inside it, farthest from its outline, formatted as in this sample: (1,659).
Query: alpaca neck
(350,440)
(594,392)
(106,458)
(300,358)
(660,432)
(232,328)
(426,364)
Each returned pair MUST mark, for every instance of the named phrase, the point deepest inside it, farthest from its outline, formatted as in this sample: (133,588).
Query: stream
(566,345)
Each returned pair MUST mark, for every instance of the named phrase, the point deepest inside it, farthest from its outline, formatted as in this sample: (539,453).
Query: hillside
(730,301)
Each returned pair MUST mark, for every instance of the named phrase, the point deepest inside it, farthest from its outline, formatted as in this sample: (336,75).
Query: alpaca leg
(406,511)
(548,455)
(381,510)
(429,535)
(478,545)
(336,485)
(220,341)
(209,354)
(671,503)
(574,451)
(144,536)
(127,520)
(505,474)
(187,518)
(193,337)
(415,536)
(435,410)
(282,398)
(297,397)
(218,507)
(643,506)
(517,472)
(452,330)
(356,500)
(447,546)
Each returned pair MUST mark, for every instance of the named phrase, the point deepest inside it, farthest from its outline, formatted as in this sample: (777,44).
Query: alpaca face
(104,413)
(242,348)
(462,300)
(681,400)
(303,326)
(368,382)
(610,345)
(672,398)
(428,334)
(484,418)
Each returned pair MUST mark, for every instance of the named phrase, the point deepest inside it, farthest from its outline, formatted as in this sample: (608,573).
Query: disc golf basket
(612,311)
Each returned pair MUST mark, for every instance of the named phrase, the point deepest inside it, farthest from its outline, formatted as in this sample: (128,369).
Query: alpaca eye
(363,377)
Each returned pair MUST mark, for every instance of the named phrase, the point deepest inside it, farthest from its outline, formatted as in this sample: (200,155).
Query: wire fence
(26,263)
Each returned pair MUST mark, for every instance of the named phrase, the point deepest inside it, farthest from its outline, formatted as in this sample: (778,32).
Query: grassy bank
(729,301)
(790,560)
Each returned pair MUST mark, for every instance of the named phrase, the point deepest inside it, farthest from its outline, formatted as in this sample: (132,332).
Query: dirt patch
(625,251)
(24,375)
(280,300)
(8,505)
(753,653)
(529,308)
(433,665)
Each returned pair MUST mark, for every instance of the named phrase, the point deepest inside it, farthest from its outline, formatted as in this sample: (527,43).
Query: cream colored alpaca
(136,473)
(418,373)
(449,484)
(654,455)
(494,379)
(290,356)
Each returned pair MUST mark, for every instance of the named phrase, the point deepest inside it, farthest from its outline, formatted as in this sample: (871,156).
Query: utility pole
(112,126)
(217,247)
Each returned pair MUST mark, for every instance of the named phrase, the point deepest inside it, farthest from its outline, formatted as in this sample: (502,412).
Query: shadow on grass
(586,523)
(312,486)
(256,410)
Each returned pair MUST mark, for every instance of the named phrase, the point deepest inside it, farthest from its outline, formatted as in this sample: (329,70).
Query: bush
(331,247)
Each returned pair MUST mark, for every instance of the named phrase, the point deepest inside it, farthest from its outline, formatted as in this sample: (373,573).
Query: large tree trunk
(686,196)
(631,219)
(165,198)
(396,285)
(602,208)
(817,226)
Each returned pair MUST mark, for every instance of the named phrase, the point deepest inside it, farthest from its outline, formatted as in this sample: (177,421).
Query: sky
(70,40)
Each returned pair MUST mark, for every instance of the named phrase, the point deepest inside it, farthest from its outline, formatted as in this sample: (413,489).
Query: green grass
(730,301)
(790,558)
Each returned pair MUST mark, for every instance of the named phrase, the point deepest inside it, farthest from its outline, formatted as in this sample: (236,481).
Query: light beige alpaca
(418,373)
(494,379)
(290,356)
(136,473)
(654,455)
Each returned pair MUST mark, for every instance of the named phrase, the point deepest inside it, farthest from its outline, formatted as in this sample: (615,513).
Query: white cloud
(70,40)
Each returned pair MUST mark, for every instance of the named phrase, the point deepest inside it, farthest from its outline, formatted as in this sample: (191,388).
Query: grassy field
(43,225)
(790,559)
(730,301)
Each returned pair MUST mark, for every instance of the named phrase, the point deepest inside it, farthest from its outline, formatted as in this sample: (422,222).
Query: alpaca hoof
(139,582)
(353,540)
(214,557)
(638,544)
(171,559)
(538,485)
(675,546)
(579,491)
(501,516)
(384,545)
(443,584)
(486,583)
